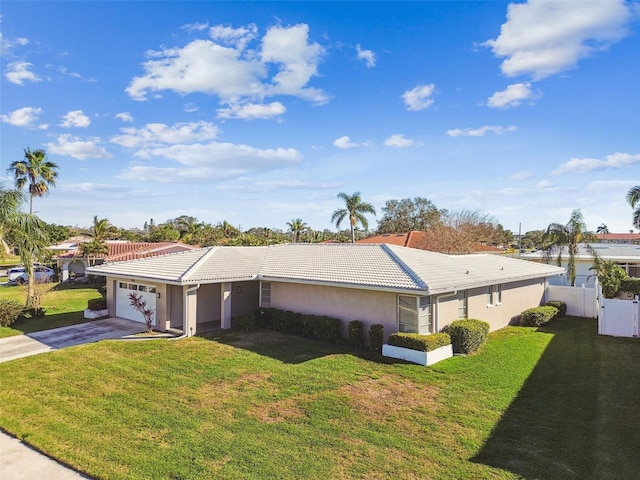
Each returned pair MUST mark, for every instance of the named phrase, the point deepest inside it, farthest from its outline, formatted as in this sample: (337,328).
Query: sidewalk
(18,461)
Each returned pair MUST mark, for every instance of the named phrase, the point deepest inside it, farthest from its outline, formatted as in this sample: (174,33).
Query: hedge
(376,337)
(561,306)
(538,316)
(355,331)
(422,343)
(316,327)
(96,304)
(10,311)
(630,285)
(467,335)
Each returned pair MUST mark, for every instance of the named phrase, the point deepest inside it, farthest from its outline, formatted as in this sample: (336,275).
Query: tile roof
(416,239)
(607,251)
(378,267)
(122,250)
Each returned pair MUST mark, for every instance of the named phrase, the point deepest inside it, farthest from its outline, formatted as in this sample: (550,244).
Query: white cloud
(124,116)
(211,161)
(345,143)
(545,184)
(581,165)
(75,147)
(398,140)
(252,110)
(75,119)
(544,37)
(480,132)
(158,134)
(367,55)
(275,186)
(513,96)
(23,117)
(420,97)
(226,66)
(6,44)
(523,175)
(18,72)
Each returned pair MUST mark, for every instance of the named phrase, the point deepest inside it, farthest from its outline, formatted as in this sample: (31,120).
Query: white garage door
(123,302)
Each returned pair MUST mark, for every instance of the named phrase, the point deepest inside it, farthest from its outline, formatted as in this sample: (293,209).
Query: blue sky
(258,113)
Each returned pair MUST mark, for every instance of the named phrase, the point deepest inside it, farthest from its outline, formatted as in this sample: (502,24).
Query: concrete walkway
(47,340)
(21,462)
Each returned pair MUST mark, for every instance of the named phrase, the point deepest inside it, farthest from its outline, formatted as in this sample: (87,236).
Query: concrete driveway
(47,340)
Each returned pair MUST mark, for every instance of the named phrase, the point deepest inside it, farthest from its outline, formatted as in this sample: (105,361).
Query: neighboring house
(404,289)
(633,238)
(418,239)
(626,255)
(73,264)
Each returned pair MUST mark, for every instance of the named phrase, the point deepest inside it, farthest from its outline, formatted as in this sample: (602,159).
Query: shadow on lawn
(576,415)
(288,348)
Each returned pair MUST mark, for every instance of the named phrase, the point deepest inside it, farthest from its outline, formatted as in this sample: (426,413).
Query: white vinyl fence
(619,318)
(581,301)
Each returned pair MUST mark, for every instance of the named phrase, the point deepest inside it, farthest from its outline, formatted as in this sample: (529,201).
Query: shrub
(96,304)
(467,335)
(630,286)
(538,316)
(561,306)
(264,317)
(422,343)
(376,337)
(355,329)
(323,328)
(247,321)
(286,321)
(10,310)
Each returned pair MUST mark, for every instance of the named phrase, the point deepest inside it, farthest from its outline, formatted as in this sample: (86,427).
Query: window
(265,294)
(414,314)
(462,304)
(494,295)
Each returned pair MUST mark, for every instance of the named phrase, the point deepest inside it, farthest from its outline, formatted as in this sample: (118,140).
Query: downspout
(185,332)
(438,297)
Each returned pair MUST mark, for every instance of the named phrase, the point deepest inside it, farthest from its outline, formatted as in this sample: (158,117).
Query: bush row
(538,316)
(561,306)
(422,343)
(96,304)
(630,285)
(467,335)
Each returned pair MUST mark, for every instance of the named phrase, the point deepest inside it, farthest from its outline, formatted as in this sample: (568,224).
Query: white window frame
(414,314)
(265,294)
(463,304)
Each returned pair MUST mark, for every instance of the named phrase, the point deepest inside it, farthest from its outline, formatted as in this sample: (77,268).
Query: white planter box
(95,313)
(414,356)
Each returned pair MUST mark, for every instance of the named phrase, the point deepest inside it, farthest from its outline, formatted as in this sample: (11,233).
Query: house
(72,263)
(418,239)
(404,289)
(633,238)
(626,255)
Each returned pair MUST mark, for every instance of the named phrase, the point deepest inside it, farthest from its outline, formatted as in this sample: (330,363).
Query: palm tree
(570,235)
(355,209)
(602,229)
(36,171)
(25,231)
(100,231)
(297,226)
(633,197)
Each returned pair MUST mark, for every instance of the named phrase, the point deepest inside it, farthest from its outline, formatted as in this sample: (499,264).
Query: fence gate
(619,318)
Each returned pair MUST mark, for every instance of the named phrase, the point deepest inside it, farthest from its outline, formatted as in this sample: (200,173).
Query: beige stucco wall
(208,303)
(368,306)
(244,297)
(516,297)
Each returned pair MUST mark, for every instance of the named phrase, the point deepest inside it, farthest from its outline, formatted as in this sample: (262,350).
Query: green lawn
(64,305)
(558,402)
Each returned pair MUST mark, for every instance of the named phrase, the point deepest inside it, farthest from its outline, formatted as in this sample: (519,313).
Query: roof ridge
(408,270)
(198,262)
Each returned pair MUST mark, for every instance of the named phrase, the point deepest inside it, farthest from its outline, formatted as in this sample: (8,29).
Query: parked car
(19,274)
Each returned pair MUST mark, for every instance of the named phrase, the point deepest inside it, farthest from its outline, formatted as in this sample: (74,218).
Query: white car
(19,274)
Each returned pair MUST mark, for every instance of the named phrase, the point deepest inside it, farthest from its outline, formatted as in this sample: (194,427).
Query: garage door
(123,303)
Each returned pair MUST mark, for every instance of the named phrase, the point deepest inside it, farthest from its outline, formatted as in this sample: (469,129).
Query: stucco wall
(175,299)
(244,297)
(347,304)
(208,303)
(516,297)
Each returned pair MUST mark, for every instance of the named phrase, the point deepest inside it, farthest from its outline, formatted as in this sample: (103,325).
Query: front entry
(123,303)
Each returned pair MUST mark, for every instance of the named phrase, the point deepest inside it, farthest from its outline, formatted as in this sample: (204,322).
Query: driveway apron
(57,338)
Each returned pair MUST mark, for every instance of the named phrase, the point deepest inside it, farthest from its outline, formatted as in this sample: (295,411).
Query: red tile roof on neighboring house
(618,237)
(416,239)
(120,251)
